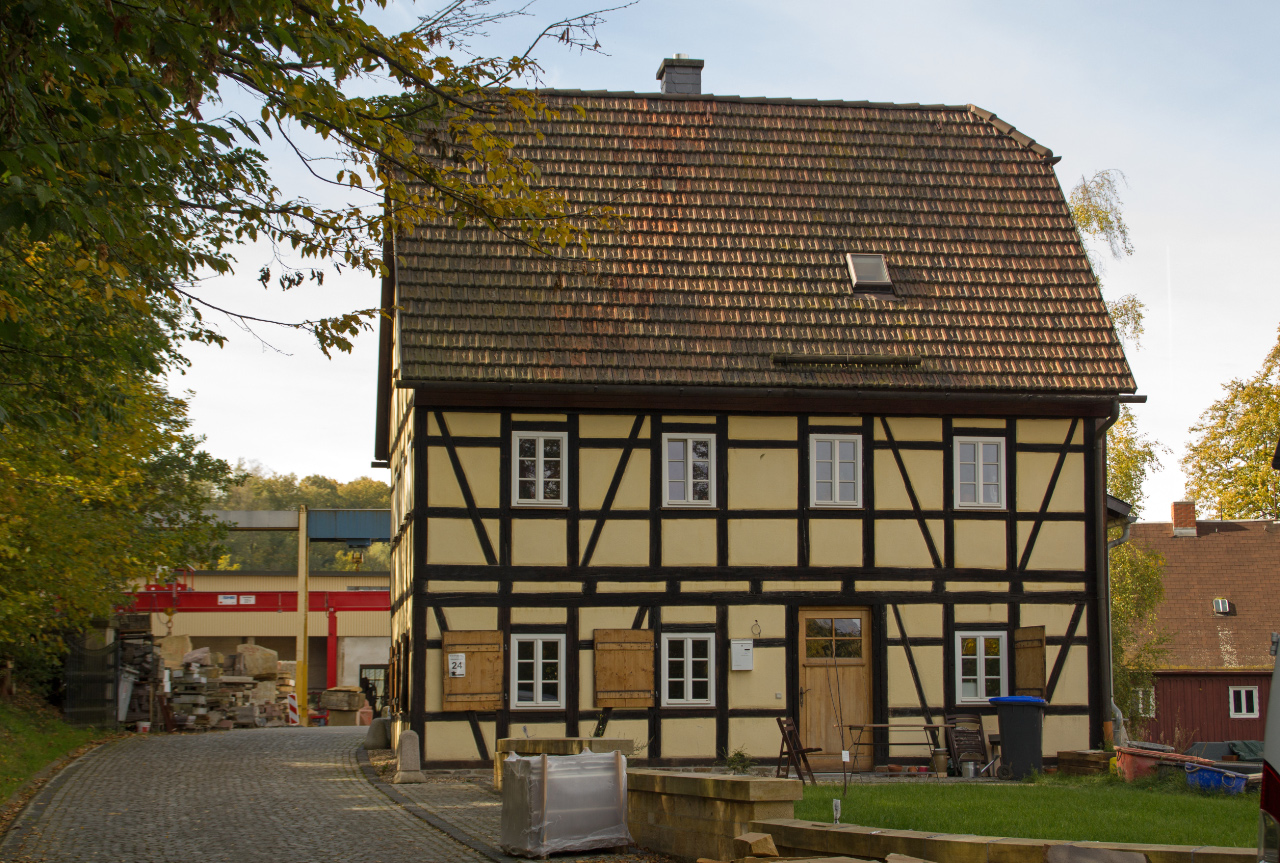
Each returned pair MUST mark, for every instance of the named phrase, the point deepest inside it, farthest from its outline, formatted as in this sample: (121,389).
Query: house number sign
(457,665)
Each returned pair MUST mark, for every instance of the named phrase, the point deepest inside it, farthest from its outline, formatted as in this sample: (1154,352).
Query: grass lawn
(1078,809)
(31,736)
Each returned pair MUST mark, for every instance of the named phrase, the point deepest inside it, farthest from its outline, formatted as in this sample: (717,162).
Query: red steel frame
(168,599)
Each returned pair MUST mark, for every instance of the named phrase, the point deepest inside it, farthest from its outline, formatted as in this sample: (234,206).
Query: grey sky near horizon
(1179,96)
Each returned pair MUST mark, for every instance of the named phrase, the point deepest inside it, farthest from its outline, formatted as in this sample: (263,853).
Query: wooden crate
(1084,762)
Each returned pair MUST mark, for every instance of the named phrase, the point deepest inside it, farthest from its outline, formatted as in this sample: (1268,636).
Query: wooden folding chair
(793,753)
(967,742)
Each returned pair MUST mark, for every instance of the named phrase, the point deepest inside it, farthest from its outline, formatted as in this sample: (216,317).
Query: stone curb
(419,811)
(24,822)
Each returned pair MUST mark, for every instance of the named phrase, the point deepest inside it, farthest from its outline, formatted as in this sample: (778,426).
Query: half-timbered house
(820,433)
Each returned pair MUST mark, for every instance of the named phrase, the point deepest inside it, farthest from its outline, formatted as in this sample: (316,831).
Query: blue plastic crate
(1215,779)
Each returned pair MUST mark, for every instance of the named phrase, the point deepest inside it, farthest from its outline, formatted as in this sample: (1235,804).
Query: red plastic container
(1132,763)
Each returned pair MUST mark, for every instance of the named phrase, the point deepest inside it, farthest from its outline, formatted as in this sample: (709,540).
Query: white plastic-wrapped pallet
(555,803)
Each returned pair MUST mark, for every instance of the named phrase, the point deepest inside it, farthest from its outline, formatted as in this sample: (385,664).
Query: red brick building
(1221,604)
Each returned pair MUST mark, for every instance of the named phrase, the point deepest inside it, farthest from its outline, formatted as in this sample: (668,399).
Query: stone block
(958,848)
(259,662)
(1014,850)
(172,648)
(379,734)
(754,845)
(342,698)
(343,718)
(751,788)
(1219,854)
(1100,852)
(409,760)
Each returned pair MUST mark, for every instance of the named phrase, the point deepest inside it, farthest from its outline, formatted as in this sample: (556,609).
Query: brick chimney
(679,74)
(1184,518)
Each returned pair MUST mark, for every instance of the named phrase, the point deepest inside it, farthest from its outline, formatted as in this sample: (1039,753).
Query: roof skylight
(868,272)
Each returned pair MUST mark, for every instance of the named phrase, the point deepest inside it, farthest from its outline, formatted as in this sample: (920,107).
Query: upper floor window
(980,665)
(979,472)
(539,468)
(835,470)
(1244,702)
(689,469)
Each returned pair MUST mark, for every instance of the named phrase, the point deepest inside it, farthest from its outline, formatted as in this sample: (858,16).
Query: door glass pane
(817,648)
(849,648)
(848,627)
(818,626)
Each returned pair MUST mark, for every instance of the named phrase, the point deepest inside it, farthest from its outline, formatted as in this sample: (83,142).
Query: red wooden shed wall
(1192,706)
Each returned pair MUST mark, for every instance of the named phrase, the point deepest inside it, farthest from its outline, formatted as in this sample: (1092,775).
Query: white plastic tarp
(555,803)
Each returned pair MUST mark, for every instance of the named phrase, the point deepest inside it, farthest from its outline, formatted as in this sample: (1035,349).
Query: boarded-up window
(624,667)
(1028,661)
(472,670)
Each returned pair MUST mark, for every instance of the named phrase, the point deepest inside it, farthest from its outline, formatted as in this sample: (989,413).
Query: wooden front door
(835,683)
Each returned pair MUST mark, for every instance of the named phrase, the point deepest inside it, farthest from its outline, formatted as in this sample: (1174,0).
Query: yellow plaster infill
(762,479)
(819,421)
(1053,586)
(591,618)
(759,737)
(772,620)
(435,680)
(1073,684)
(891,491)
(631,587)
(760,686)
(610,426)
(1059,545)
(921,620)
(438,586)
(546,418)
(1068,494)
(972,586)
(595,473)
(622,543)
(688,738)
(1044,431)
(694,419)
(970,615)
(911,428)
(802,585)
(469,619)
(1054,618)
(538,615)
(433,428)
(924,469)
(442,483)
(980,544)
(899,542)
(714,586)
(480,466)
(454,540)
(688,542)
(762,542)
(894,586)
(546,587)
(835,541)
(538,542)
(473,425)
(762,428)
(450,740)
(970,422)
(690,614)
(1034,472)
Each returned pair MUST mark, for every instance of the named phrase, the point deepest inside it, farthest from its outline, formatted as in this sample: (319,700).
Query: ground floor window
(688,668)
(1244,702)
(537,670)
(980,665)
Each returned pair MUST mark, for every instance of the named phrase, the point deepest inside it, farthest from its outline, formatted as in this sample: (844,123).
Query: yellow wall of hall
(1059,545)
(689,738)
(772,620)
(911,428)
(1046,431)
(538,542)
(607,425)
(596,475)
(899,542)
(473,424)
(921,620)
(757,735)
(621,543)
(454,540)
(759,687)
(762,428)
(980,544)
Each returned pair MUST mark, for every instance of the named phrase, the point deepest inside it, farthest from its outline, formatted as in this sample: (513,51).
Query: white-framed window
(1244,702)
(540,465)
(981,663)
(688,670)
(979,471)
(1144,702)
(835,470)
(537,670)
(689,470)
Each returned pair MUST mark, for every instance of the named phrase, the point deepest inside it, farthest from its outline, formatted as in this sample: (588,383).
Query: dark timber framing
(949,585)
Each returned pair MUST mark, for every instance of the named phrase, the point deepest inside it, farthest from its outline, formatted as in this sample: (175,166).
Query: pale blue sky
(1180,96)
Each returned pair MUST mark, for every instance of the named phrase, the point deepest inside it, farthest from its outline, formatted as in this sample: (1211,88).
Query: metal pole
(300,681)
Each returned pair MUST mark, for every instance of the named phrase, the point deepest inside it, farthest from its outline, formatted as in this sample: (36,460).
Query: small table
(925,728)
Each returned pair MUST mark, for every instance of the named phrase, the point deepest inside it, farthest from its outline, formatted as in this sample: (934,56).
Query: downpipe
(1102,549)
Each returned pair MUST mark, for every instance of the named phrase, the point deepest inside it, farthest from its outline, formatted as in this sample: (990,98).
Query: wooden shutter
(1028,661)
(480,688)
(624,667)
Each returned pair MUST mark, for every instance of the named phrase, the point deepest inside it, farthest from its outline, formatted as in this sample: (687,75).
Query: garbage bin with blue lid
(1021,734)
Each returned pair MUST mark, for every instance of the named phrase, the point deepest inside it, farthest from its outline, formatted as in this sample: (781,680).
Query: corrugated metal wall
(1194,707)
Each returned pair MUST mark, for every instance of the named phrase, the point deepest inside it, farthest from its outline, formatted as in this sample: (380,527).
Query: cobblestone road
(287,795)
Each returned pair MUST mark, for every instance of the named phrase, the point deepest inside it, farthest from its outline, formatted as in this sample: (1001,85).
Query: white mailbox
(740,650)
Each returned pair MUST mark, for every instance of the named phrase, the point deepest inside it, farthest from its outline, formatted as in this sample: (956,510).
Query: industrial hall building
(818,433)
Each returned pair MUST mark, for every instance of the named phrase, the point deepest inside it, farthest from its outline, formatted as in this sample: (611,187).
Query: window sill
(827,505)
(982,507)
(531,504)
(682,505)
(689,705)
(516,707)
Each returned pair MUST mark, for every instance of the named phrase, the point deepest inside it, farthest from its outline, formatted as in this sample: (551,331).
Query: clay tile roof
(739,215)
(1234,560)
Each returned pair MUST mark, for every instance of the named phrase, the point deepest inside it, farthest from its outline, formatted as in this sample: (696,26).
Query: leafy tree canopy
(1228,461)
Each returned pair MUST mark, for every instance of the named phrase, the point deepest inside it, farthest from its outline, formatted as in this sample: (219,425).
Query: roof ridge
(768,100)
(1008,129)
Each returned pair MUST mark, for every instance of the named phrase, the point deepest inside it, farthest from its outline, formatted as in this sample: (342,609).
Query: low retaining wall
(688,815)
(811,838)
